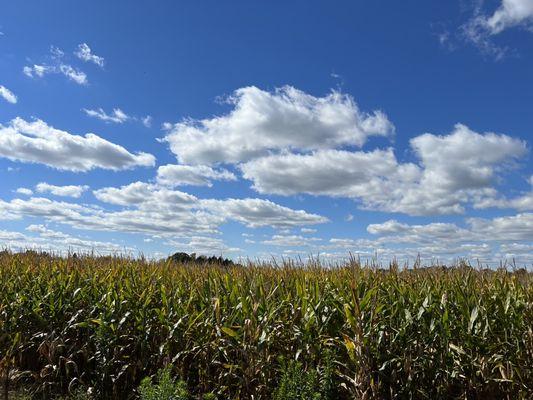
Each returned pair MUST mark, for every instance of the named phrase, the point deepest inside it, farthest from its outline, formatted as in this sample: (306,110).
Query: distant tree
(184,258)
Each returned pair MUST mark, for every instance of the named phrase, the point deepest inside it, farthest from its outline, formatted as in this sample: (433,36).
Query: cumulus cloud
(291,241)
(195,175)
(43,238)
(37,142)
(250,212)
(388,227)
(452,170)
(24,191)
(145,195)
(405,233)
(117,116)
(464,159)
(485,238)
(323,172)
(523,202)
(151,209)
(8,95)
(516,227)
(515,251)
(66,191)
(262,121)
(85,53)
(258,213)
(166,220)
(206,245)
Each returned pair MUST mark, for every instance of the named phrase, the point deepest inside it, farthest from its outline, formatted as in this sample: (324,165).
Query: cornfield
(102,324)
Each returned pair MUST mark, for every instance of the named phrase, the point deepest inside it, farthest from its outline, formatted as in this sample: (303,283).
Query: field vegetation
(121,328)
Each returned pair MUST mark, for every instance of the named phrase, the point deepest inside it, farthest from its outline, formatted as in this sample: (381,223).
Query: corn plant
(106,323)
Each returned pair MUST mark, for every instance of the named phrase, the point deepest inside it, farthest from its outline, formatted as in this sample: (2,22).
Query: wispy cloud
(8,95)
(56,66)
(73,74)
(482,27)
(147,121)
(85,53)
(117,116)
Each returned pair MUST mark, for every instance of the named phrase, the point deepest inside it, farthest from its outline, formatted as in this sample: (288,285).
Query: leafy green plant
(298,384)
(166,387)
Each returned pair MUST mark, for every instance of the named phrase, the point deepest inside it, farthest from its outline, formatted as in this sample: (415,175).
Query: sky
(262,130)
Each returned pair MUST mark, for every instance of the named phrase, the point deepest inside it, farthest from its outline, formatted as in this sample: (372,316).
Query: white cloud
(37,142)
(482,238)
(73,74)
(481,28)
(84,53)
(464,159)
(197,175)
(453,170)
(43,238)
(62,242)
(250,212)
(145,195)
(167,219)
(56,53)
(388,227)
(69,71)
(8,95)
(57,67)
(66,191)
(515,250)
(290,241)
(151,209)
(516,227)
(205,245)
(262,121)
(323,172)
(405,233)
(167,126)
(37,70)
(523,202)
(147,121)
(510,13)
(258,212)
(308,230)
(25,191)
(117,116)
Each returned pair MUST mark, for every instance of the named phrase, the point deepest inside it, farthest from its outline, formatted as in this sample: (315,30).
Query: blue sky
(260,129)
